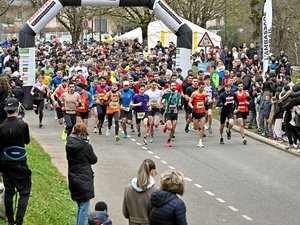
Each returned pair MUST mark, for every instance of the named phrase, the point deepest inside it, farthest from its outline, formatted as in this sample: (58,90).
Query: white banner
(266,33)
(183,60)
(27,67)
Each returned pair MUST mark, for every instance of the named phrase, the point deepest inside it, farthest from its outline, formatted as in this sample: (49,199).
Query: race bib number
(127,109)
(100,95)
(172,107)
(153,102)
(113,105)
(82,105)
(140,115)
(200,105)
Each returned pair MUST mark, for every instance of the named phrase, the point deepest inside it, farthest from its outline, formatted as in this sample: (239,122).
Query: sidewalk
(265,140)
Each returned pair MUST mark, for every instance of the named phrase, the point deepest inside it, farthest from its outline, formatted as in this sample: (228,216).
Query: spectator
(99,216)
(80,156)
(137,194)
(165,208)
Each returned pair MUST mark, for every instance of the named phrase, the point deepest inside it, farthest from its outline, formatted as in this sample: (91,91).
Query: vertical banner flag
(266,33)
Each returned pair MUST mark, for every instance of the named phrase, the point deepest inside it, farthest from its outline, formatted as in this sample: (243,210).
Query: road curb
(266,141)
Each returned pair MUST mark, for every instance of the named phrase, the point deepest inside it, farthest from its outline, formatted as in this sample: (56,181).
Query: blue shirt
(126,96)
(55,81)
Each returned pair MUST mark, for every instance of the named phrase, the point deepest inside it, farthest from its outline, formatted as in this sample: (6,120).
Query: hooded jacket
(135,202)
(99,217)
(80,156)
(166,209)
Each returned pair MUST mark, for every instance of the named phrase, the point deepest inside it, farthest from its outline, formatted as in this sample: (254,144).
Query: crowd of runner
(123,84)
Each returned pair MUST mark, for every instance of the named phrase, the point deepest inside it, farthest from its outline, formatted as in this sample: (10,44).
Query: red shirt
(178,87)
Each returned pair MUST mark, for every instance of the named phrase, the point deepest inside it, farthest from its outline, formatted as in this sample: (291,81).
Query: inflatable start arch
(52,7)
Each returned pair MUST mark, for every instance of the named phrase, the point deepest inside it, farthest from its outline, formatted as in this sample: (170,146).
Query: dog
(2,206)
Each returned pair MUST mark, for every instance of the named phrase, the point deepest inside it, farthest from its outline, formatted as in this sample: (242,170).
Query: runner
(86,102)
(100,110)
(39,92)
(70,101)
(226,101)
(172,100)
(188,92)
(113,99)
(126,111)
(55,97)
(197,104)
(210,90)
(154,101)
(140,104)
(241,108)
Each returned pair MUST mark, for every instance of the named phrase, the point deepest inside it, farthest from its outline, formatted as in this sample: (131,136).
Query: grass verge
(50,202)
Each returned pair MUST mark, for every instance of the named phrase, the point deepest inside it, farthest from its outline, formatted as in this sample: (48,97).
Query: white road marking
(164,162)
(198,185)
(247,217)
(133,139)
(156,156)
(188,179)
(150,152)
(233,208)
(220,200)
(171,167)
(209,193)
(138,143)
(144,148)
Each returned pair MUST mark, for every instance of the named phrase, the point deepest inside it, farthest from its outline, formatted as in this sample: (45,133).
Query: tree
(136,16)
(4,6)
(71,18)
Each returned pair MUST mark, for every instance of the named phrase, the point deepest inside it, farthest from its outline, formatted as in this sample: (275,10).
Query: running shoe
(187,128)
(117,138)
(228,132)
(222,141)
(161,122)
(244,141)
(40,125)
(151,140)
(164,129)
(100,131)
(125,135)
(145,141)
(206,127)
(139,133)
(200,144)
(107,132)
(95,130)
(168,144)
(209,130)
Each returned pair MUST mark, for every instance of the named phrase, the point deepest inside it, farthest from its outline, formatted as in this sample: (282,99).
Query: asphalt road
(232,184)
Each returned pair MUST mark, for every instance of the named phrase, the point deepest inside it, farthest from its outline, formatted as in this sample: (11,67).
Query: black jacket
(80,156)
(165,208)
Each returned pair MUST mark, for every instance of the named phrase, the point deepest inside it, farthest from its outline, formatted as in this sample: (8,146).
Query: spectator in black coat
(165,208)
(80,156)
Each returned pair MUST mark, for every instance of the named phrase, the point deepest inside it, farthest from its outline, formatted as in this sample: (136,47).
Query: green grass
(50,202)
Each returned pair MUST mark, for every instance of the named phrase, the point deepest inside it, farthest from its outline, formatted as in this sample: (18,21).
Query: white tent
(131,35)
(158,31)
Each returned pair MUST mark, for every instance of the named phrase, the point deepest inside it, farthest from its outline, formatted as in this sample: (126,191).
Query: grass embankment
(50,202)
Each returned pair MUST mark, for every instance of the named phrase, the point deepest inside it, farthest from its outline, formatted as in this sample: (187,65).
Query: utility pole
(225,23)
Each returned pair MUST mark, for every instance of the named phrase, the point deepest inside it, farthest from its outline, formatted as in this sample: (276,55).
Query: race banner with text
(266,33)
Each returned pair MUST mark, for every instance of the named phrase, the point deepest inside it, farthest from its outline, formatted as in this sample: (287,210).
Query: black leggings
(38,107)
(110,117)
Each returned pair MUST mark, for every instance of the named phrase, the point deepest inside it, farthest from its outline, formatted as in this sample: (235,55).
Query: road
(230,184)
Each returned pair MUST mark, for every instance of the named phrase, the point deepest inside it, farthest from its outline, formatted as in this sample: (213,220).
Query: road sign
(206,41)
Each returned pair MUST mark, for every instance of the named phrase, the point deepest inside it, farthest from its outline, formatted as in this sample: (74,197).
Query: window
(19,15)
